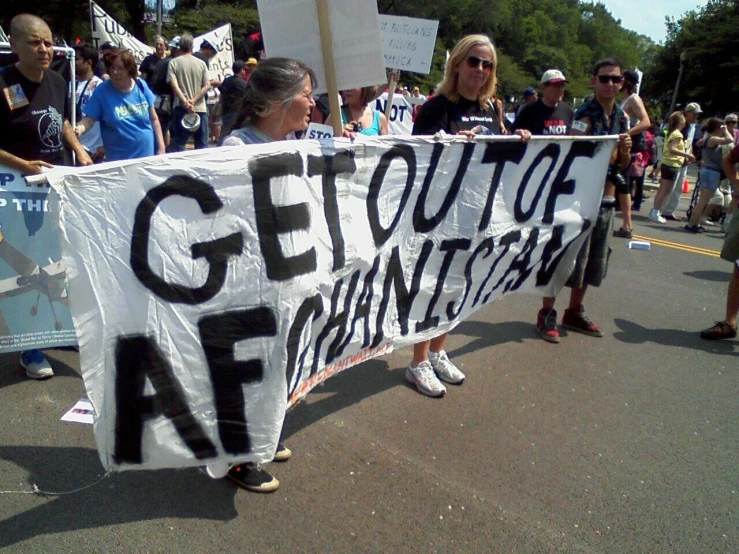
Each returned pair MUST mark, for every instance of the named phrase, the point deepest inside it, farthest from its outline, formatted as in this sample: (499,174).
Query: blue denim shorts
(710,178)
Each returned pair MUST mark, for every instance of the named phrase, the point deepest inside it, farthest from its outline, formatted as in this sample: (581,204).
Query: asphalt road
(622,444)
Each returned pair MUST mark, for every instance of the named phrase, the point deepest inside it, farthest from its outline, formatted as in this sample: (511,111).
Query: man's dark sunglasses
(474,62)
(615,79)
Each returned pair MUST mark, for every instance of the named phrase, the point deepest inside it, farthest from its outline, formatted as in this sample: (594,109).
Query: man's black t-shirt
(441,114)
(540,119)
(232,90)
(32,116)
(200,56)
(156,73)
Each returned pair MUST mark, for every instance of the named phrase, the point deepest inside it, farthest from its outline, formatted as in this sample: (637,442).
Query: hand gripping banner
(212,290)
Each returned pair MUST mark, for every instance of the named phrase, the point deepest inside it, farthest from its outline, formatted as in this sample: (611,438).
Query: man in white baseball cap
(549,115)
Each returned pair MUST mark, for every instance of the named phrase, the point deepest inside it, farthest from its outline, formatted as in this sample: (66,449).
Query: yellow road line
(679,246)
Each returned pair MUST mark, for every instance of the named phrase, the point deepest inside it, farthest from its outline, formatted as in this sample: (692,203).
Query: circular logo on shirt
(50,128)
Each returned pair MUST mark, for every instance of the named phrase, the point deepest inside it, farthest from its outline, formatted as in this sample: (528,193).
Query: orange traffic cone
(686,187)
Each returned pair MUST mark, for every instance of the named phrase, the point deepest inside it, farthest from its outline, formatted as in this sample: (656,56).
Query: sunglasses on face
(615,79)
(474,62)
(732,122)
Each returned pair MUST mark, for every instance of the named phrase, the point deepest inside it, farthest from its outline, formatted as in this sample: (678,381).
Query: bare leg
(732,297)
(437,343)
(420,352)
(548,302)
(703,199)
(577,296)
(665,188)
(624,201)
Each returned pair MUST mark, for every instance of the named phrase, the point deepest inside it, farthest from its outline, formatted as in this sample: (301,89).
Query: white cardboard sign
(408,43)
(290,29)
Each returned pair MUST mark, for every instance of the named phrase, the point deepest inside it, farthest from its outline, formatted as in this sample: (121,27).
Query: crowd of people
(131,112)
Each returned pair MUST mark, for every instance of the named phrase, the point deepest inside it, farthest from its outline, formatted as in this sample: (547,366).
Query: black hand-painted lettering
(363,308)
(487,244)
(421,223)
(505,241)
(329,167)
(311,308)
(137,358)
(395,277)
(272,220)
(336,321)
(521,263)
(562,185)
(215,252)
(498,153)
(404,151)
(218,334)
(451,247)
(547,270)
(551,151)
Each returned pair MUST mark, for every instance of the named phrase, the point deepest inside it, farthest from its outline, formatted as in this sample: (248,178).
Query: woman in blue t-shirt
(124,106)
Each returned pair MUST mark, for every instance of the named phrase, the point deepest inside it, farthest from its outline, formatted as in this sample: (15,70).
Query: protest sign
(211,291)
(106,29)
(402,112)
(221,65)
(34,310)
(318,131)
(290,29)
(408,43)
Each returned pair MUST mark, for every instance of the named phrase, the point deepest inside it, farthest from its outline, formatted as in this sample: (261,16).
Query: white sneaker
(425,380)
(36,366)
(708,222)
(445,369)
(655,216)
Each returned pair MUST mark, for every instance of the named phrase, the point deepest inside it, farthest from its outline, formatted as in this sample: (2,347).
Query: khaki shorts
(592,260)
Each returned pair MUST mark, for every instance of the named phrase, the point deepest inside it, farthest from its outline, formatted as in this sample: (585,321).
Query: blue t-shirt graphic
(124,120)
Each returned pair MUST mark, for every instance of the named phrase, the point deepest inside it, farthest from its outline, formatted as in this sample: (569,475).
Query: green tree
(709,39)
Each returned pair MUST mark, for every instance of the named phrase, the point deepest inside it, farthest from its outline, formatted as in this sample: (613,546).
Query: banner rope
(36,490)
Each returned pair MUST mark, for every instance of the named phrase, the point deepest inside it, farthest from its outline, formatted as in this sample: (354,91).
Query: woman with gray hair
(277,102)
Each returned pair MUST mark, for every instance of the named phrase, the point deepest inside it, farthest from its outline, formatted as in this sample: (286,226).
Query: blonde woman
(674,157)
(463,105)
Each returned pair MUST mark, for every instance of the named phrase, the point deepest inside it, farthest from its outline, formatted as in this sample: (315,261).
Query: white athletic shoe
(425,380)
(445,369)
(708,222)
(36,365)
(656,217)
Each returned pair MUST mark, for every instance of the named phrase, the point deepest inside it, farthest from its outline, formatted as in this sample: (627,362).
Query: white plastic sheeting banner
(212,290)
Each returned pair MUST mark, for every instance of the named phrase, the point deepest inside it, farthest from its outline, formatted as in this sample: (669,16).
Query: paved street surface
(628,443)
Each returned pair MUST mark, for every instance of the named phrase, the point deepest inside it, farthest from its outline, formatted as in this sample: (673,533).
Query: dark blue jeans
(180,135)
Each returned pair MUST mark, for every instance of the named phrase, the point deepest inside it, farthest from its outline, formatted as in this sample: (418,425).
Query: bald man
(33,117)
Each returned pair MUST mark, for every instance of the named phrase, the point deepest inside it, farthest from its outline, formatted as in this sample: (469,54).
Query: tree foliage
(531,35)
(709,39)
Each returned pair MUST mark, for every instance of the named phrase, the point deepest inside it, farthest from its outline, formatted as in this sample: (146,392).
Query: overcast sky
(647,17)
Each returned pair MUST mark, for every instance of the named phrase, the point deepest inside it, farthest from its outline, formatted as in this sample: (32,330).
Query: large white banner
(290,29)
(212,290)
(106,29)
